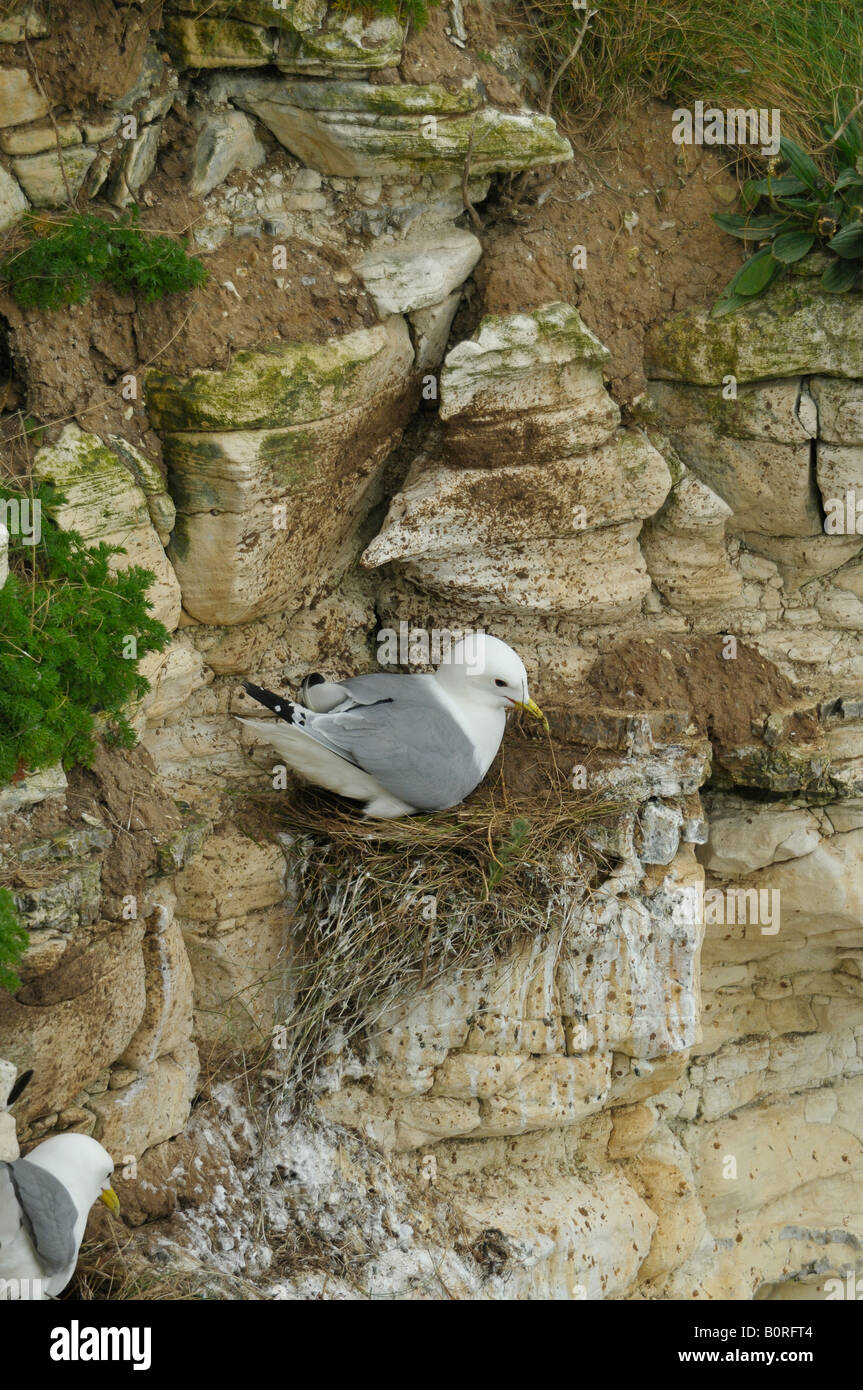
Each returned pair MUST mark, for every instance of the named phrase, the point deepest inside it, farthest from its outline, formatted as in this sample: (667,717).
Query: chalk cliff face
(656,1091)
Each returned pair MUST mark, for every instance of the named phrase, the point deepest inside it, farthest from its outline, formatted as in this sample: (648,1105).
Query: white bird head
(81,1165)
(485,670)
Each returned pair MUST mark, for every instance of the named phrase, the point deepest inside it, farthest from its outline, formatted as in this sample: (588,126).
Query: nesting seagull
(45,1200)
(401,743)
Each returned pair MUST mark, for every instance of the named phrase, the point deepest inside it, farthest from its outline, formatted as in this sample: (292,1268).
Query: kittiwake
(401,743)
(45,1200)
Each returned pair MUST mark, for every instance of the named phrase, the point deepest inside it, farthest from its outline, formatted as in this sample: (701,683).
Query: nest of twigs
(386,908)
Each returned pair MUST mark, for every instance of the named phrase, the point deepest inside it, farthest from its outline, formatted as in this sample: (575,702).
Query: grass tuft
(802,56)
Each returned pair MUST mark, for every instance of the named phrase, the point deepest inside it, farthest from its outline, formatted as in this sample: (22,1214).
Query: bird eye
(500,682)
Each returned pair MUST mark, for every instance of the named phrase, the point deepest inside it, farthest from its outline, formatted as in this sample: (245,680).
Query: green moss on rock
(290,383)
(792,330)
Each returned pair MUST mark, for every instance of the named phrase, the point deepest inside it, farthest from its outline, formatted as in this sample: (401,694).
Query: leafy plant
(508,851)
(65,627)
(797,208)
(13,942)
(64,260)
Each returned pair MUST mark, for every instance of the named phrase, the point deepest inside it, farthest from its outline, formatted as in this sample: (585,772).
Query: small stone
(20,98)
(42,179)
(307,180)
(12,200)
(305,202)
(660,833)
(97,131)
(122,1076)
(74,1116)
(226,141)
(25,23)
(138,164)
(209,237)
(34,141)
(368,191)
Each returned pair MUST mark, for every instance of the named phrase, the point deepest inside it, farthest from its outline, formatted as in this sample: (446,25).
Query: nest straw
(386,908)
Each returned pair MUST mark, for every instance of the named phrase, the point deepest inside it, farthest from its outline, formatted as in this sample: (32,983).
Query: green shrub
(798,208)
(65,622)
(64,260)
(13,942)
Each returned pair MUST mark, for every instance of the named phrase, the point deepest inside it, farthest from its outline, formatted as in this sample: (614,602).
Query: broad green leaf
(792,246)
(803,205)
(801,165)
(756,274)
(848,176)
(729,221)
(849,242)
(756,228)
(840,276)
(727,303)
(781,185)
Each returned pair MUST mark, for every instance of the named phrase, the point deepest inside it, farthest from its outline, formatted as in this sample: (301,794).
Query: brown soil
(430,57)
(674,258)
(121,788)
(728,700)
(95,50)
(206,328)
(74,360)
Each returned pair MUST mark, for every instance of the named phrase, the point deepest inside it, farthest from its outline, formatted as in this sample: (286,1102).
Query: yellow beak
(111,1200)
(533,709)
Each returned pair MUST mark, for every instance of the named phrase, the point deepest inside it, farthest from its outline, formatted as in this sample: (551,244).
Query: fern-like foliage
(64,260)
(65,627)
(13,942)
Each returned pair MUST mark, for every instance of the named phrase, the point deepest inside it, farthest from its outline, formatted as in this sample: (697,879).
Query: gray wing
(390,685)
(10,1208)
(416,751)
(48,1213)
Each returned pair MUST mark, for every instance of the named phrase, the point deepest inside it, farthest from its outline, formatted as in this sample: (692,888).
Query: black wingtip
(20,1086)
(279,704)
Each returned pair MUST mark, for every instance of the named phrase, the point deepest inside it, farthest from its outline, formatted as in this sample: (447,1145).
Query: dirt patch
(95,50)
(636,272)
(430,56)
(242,305)
(728,700)
(74,360)
(122,790)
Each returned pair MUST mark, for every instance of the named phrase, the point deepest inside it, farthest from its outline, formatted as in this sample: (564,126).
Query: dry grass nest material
(386,908)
